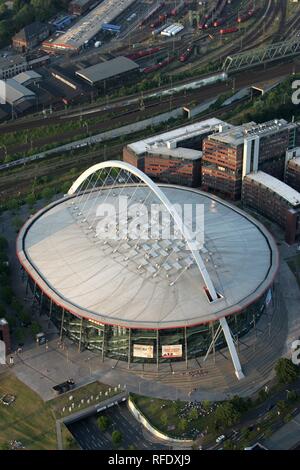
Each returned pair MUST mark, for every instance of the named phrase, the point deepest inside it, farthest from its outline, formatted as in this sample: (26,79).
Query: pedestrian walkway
(287,437)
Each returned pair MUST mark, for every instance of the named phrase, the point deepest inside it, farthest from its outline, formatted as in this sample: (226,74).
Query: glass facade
(147,346)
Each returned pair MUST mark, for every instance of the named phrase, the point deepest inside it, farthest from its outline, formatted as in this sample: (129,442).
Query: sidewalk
(287,437)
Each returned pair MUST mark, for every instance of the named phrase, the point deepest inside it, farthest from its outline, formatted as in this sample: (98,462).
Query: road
(89,436)
(257,415)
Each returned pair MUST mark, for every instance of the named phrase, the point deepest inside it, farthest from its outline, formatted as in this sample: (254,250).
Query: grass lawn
(28,420)
(89,394)
(174,418)
(294,265)
(31,421)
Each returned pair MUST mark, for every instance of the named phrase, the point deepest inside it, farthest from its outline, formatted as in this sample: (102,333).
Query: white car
(220,439)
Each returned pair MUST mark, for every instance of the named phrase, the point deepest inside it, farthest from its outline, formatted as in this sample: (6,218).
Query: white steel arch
(184,230)
(164,200)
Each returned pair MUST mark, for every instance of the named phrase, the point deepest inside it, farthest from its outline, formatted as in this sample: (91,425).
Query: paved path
(287,437)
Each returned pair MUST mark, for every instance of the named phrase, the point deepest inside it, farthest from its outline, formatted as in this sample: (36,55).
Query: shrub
(286,371)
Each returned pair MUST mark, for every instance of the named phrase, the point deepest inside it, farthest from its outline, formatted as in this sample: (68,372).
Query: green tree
(282,406)
(7,294)
(103,423)
(229,445)
(178,406)
(116,438)
(3,243)
(193,414)
(286,371)
(164,419)
(292,395)
(48,193)
(206,405)
(30,199)
(241,404)
(226,415)
(35,328)
(183,425)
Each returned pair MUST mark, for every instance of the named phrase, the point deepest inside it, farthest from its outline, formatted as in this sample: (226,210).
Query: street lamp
(86,126)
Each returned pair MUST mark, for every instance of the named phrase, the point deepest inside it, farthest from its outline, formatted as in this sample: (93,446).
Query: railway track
(292,26)
(272,9)
(19,180)
(134,113)
(117,104)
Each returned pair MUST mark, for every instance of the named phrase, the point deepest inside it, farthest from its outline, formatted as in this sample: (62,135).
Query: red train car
(177,10)
(246,16)
(184,57)
(143,53)
(218,23)
(160,65)
(228,30)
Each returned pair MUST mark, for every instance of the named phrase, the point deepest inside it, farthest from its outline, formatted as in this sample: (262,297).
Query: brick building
(292,173)
(79,7)
(30,36)
(173,157)
(230,155)
(274,199)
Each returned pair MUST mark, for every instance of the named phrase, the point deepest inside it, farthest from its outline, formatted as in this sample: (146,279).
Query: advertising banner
(143,350)
(172,350)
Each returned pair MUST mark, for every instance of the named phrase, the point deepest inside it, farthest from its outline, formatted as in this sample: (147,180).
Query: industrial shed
(117,68)
(14,93)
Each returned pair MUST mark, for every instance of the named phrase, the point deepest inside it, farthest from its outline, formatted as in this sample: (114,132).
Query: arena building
(150,298)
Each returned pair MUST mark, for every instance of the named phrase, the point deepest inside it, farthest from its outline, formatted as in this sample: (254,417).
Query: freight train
(143,53)
(246,16)
(160,65)
(187,54)
(214,17)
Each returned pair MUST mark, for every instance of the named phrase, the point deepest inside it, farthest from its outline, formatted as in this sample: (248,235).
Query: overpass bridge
(261,55)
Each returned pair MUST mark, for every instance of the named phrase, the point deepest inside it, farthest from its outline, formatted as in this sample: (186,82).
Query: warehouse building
(84,30)
(30,36)
(292,173)
(175,156)
(230,155)
(30,77)
(274,199)
(79,7)
(106,74)
(15,94)
(11,66)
